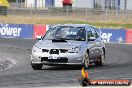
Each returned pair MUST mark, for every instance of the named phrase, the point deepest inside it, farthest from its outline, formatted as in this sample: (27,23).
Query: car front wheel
(86,60)
(36,66)
(101,60)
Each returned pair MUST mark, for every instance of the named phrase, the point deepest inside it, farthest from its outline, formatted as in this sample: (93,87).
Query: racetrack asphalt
(118,65)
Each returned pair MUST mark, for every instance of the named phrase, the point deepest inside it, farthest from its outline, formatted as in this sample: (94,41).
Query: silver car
(69,44)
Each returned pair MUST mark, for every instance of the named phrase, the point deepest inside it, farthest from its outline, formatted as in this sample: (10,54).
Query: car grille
(61,60)
(54,51)
(63,50)
(45,50)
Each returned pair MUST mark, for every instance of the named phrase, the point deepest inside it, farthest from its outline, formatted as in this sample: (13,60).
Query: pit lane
(118,66)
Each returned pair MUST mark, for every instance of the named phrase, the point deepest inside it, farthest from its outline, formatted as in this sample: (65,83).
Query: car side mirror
(91,38)
(39,37)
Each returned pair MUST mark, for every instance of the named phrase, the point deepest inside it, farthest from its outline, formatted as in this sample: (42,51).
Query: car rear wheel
(36,66)
(86,60)
(101,60)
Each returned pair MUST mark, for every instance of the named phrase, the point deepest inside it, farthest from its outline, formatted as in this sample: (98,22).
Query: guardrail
(31,31)
(80,14)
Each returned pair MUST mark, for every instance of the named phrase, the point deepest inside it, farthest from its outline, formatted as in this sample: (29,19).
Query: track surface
(118,66)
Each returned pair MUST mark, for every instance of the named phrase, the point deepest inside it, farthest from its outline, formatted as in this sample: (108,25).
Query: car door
(98,43)
(91,42)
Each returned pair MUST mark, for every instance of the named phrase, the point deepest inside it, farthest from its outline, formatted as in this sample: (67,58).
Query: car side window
(96,34)
(91,33)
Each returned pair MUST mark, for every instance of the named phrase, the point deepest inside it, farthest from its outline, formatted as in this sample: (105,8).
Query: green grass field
(58,20)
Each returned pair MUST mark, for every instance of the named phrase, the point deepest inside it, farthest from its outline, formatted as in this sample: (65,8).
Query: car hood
(48,44)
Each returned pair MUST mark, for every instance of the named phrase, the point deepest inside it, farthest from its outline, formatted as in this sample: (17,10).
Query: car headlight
(74,50)
(36,48)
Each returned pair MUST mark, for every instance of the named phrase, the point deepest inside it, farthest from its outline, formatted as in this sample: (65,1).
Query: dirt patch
(6,62)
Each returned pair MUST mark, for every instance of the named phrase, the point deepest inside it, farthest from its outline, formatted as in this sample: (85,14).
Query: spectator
(67,3)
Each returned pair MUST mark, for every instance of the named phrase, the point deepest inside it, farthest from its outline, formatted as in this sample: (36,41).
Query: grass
(63,20)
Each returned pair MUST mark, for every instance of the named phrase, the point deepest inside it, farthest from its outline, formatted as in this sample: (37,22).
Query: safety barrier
(16,30)
(39,30)
(113,35)
(32,31)
(129,36)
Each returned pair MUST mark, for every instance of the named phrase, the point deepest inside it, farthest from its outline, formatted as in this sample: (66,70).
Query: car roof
(74,25)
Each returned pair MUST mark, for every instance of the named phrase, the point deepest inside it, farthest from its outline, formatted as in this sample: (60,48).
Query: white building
(39,3)
(77,3)
(58,3)
(129,5)
(35,3)
(83,3)
(114,4)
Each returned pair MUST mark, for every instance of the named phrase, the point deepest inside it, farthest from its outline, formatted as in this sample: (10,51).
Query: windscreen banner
(113,35)
(129,36)
(16,30)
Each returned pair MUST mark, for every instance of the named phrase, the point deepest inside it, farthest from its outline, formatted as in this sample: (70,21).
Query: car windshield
(66,33)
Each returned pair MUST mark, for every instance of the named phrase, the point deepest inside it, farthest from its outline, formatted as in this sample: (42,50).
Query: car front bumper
(64,58)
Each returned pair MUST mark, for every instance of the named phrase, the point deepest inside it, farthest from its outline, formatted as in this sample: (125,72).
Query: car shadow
(92,66)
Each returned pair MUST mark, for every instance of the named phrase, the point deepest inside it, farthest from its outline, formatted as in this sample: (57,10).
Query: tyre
(36,66)
(101,60)
(86,60)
